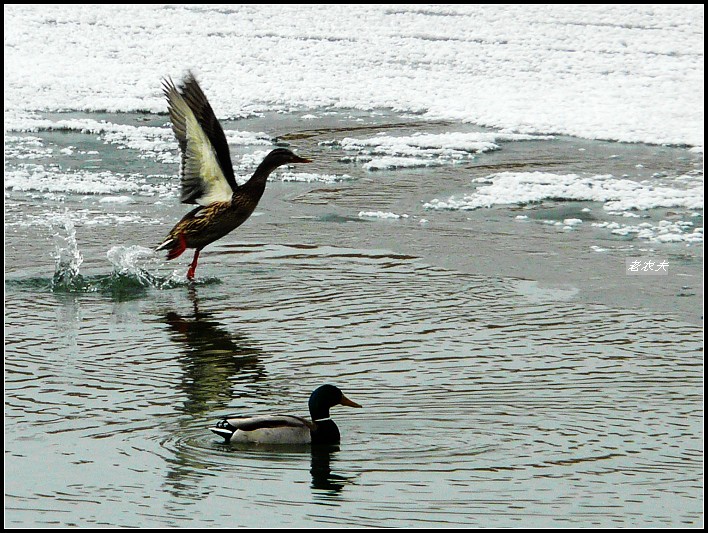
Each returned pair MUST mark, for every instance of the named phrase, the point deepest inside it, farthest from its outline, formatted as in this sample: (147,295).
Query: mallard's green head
(325,397)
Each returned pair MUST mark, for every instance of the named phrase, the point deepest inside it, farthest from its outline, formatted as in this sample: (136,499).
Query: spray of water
(135,269)
(139,265)
(132,261)
(67,259)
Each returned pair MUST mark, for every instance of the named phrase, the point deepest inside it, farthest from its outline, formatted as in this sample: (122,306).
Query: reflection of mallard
(323,479)
(287,429)
(207,175)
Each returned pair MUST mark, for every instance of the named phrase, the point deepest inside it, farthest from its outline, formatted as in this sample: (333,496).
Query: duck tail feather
(222,432)
(176,246)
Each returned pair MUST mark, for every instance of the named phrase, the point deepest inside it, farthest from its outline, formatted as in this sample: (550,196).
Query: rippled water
(488,401)
(481,408)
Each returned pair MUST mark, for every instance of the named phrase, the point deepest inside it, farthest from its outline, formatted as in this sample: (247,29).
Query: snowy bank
(628,73)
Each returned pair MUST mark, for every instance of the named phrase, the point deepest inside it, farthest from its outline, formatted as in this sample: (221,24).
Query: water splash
(135,270)
(67,259)
(137,266)
(129,260)
(130,277)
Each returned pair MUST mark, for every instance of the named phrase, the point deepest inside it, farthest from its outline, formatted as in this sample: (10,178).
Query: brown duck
(207,175)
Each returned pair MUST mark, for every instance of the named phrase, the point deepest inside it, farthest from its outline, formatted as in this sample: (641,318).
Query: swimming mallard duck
(287,429)
(207,175)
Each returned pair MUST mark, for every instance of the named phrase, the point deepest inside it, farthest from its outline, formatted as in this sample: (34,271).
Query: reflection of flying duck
(213,360)
(206,336)
(207,175)
(287,429)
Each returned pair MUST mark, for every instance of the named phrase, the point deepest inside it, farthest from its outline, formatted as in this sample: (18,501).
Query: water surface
(498,388)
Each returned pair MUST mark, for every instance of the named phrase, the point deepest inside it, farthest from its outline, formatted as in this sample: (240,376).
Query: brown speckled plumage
(207,177)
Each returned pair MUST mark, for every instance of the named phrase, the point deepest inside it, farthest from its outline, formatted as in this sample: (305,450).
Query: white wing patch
(201,158)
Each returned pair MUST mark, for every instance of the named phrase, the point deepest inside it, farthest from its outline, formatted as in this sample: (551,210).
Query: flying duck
(288,429)
(207,175)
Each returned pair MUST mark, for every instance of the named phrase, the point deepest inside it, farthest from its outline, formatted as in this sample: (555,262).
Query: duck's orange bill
(348,402)
(302,160)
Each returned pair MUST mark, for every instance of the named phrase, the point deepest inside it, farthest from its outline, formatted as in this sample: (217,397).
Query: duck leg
(193,266)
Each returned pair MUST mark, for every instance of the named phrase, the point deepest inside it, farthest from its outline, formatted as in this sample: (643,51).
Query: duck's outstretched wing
(206,171)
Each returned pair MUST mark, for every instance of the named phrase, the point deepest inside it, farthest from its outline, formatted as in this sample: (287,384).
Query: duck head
(325,397)
(283,156)
(276,158)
